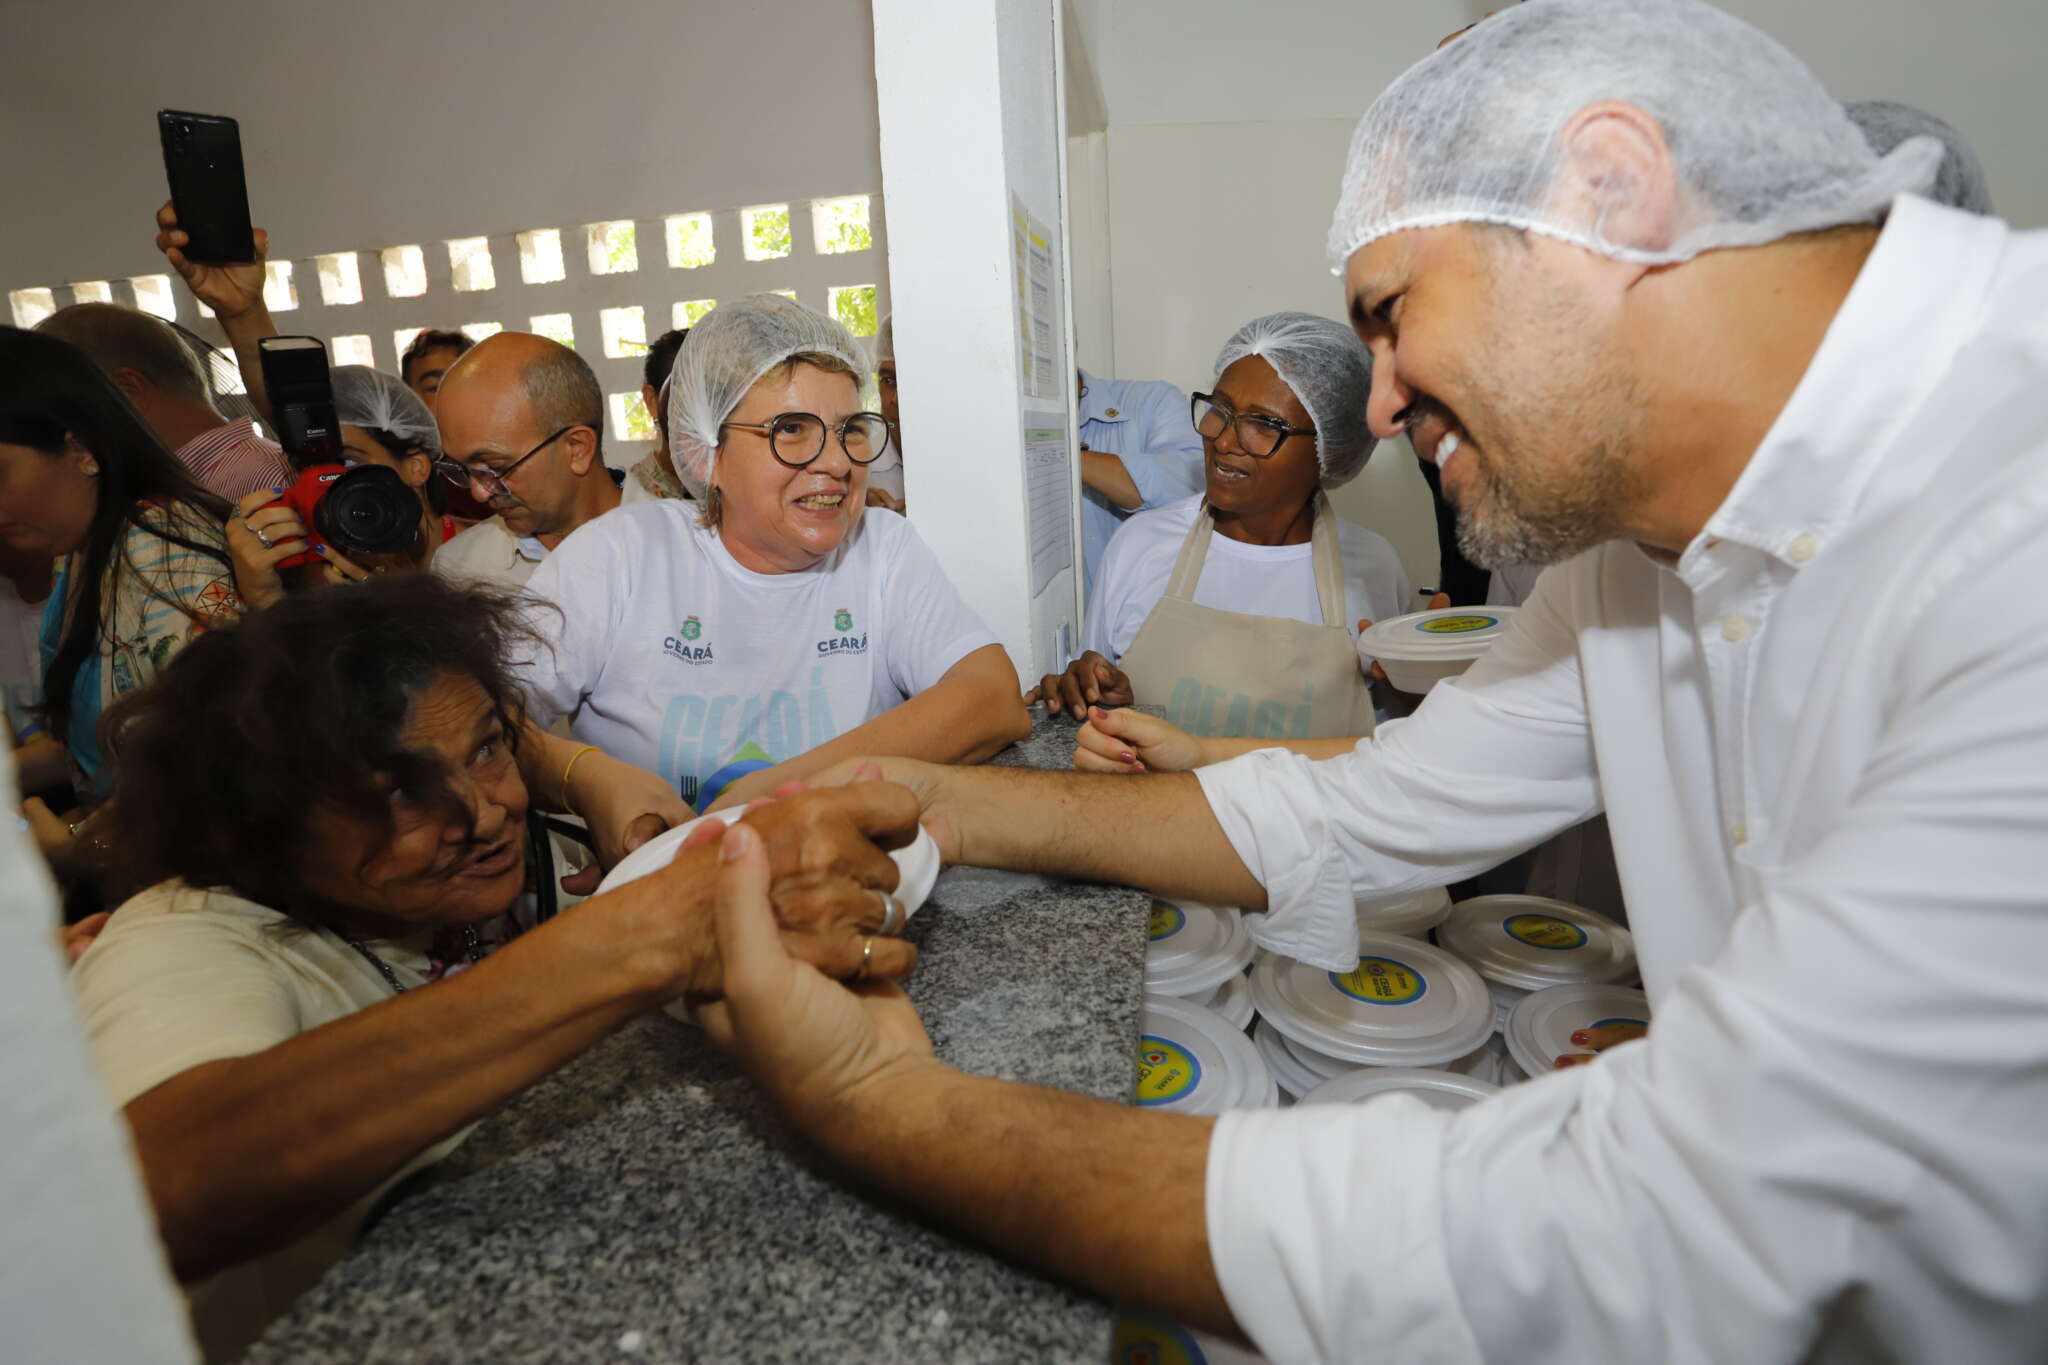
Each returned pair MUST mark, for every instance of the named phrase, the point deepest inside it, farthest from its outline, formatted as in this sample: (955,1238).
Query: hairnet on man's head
(1474,133)
(364,397)
(728,352)
(1960,183)
(1328,369)
(885,341)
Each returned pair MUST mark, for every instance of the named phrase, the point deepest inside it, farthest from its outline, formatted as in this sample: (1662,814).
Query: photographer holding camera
(380,423)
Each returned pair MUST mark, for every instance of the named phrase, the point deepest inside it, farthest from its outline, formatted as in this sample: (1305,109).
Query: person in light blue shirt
(1139,450)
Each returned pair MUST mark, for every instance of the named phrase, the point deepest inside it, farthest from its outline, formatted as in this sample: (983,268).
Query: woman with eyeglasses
(1238,610)
(382,422)
(776,624)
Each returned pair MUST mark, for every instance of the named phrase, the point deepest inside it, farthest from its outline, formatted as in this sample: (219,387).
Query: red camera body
(303,497)
(365,511)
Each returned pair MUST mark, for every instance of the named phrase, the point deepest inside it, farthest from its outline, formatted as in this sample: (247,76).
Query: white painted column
(969,101)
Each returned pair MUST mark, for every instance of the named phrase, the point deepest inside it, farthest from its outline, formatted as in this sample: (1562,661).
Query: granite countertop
(643,1205)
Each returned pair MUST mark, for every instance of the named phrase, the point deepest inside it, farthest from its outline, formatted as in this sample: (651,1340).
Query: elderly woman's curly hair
(220,762)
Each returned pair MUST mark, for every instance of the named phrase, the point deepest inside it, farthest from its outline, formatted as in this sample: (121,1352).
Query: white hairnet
(885,341)
(1960,183)
(1760,149)
(1330,372)
(734,345)
(364,397)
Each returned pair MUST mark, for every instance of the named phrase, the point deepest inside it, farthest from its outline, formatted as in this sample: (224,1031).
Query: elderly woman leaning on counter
(776,625)
(329,803)
(1238,610)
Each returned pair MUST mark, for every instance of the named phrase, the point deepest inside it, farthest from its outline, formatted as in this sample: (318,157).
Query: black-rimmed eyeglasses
(795,439)
(492,481)
(1257,436)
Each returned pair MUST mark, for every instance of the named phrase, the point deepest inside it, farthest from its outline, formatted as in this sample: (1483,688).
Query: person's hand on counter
(1104,1195)
(1089,680)
(1125,741)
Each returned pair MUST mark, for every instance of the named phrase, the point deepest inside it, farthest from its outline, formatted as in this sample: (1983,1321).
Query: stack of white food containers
(1529,943)
(1198,953)
(1438,1089)
(1191,1060)
(1540,1028)
(1404,1004)
(1411,916)
(1421,649)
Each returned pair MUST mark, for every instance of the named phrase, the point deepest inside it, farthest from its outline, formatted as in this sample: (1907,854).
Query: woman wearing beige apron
(1236,611)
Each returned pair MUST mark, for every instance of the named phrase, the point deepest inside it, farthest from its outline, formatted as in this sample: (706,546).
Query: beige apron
(1236,676)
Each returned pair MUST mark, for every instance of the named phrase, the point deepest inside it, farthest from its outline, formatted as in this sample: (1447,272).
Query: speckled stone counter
(642,1205)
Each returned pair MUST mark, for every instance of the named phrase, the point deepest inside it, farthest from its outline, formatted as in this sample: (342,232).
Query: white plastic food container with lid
(917,863)
(917,871)
(1193,949)
(1476,1062)
(1232,1000)
(1437,1089)
(1192,1061)
(1405,1003)
(1411,915)
(1530,943)
(1541,1028)
(1294,1079)
(1421,649)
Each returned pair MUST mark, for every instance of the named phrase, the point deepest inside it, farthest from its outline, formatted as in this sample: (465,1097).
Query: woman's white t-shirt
(670,654)
(1257,580)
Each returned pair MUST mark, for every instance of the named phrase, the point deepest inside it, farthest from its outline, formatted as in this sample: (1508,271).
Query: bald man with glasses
(522,422)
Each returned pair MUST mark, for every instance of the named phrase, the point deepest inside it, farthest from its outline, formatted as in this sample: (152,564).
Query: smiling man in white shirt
(1784,426)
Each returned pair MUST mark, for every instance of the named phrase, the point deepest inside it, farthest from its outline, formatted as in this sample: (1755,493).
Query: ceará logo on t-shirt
(684,644)
(843,640)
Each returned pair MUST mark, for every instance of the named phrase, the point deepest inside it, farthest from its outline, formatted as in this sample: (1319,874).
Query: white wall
(969,99)
(382,122)
(1228,130)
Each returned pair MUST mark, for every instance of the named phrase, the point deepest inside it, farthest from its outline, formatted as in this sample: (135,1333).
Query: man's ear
(132,383)
(1615,180)
(583,452)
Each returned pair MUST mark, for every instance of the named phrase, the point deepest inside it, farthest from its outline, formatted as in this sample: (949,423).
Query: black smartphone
(203,161)
(301,392)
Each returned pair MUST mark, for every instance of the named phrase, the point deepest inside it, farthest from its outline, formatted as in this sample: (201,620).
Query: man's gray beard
(1514,526)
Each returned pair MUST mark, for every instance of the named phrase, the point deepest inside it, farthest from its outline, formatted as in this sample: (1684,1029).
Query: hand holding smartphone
(203,162)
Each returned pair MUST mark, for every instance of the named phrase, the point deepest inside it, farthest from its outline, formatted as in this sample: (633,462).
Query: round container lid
(1314,1062)
(1411,916)
(1404,1004)
(1531,942)
(1193,948)
(1541,1028)
(1444,634)
(1233,1000)
(1294,1078)
(1437,1089)
(1191,1061)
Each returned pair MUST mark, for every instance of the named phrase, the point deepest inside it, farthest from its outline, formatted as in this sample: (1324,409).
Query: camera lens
(369,510)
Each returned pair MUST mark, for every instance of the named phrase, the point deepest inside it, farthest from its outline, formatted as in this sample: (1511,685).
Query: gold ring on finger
(867,959)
